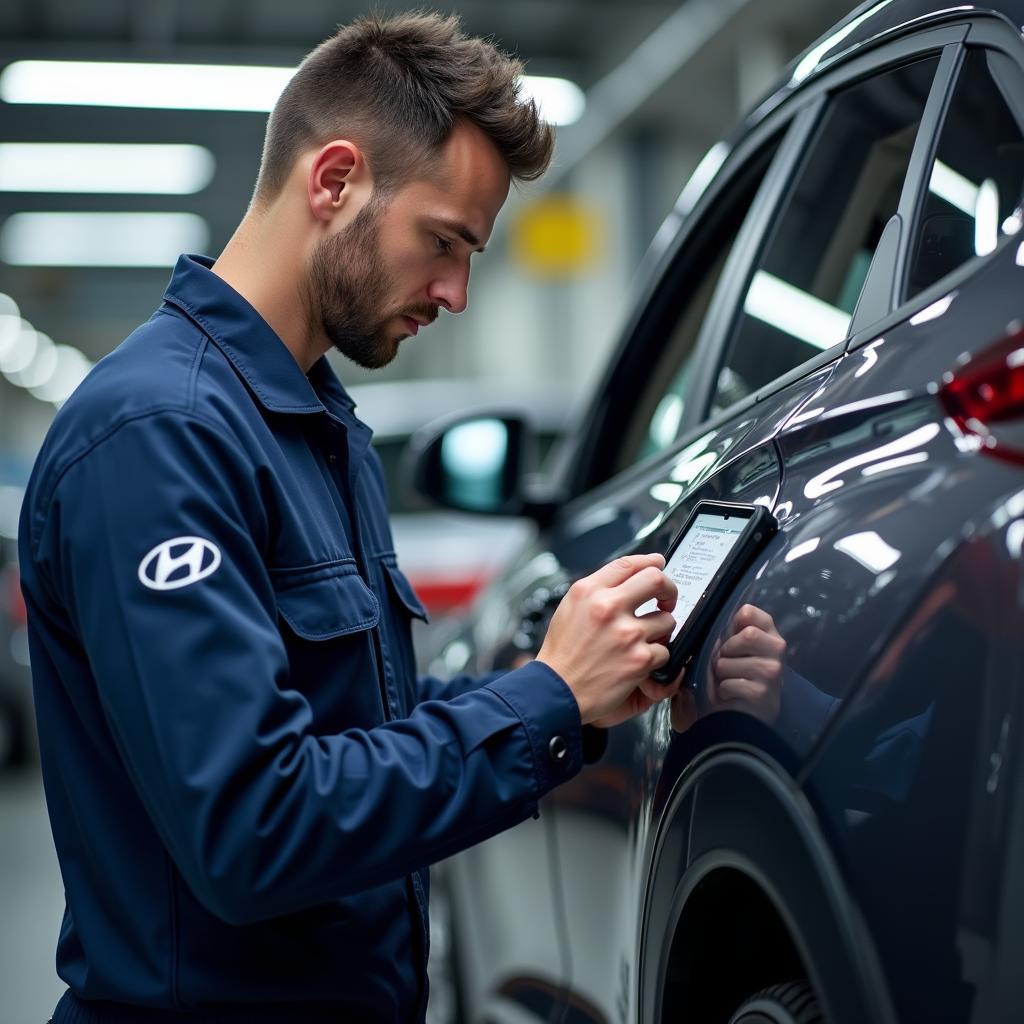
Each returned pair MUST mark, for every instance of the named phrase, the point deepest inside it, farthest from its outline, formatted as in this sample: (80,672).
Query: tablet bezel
(760,527)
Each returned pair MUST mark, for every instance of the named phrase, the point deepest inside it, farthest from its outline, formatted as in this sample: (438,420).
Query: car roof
(870,23)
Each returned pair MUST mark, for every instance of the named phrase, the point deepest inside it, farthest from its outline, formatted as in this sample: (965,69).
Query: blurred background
(114,158)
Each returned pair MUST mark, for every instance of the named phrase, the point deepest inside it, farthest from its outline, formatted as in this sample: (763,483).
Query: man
(245,780)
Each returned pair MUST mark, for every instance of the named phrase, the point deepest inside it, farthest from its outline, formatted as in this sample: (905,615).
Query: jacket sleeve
(432,688)
(260,813)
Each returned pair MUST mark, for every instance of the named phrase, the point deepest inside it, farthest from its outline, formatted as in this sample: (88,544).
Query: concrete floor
(31,902)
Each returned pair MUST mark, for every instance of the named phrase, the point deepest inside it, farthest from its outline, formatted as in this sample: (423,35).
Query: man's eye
(443,245)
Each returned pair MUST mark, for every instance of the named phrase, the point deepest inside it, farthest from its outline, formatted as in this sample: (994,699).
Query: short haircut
(396,86)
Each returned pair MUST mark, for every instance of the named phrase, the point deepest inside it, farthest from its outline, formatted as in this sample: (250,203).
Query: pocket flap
(324,602)
(405,592)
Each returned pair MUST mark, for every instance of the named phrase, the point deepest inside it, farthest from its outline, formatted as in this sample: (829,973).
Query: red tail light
(446,595)
(987,391)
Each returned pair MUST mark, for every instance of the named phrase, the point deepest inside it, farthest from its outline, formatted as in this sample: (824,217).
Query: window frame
(942,42)
(601,430)
(797,115)
(984,32)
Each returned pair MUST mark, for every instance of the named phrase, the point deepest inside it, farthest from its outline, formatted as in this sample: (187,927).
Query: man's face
(389,271)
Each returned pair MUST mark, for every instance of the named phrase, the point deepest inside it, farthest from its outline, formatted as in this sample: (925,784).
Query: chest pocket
(327,614)
(401,606)
(326,601)
(402,589)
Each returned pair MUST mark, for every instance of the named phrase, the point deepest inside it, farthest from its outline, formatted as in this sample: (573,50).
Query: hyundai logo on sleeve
(178,562)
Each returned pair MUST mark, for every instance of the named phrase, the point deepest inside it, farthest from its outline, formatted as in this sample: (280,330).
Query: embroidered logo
(178,562)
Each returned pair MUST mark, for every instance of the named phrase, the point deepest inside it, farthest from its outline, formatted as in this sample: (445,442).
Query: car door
(513,956)
(917,526)
(766,366)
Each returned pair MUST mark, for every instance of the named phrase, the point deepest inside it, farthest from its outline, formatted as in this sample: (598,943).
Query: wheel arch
(763,869)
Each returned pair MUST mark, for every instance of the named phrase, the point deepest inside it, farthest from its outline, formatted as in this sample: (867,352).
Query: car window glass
(975,182)
(658,413)
(804,291)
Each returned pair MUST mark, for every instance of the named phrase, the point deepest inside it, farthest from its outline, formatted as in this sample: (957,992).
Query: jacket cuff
(551,719)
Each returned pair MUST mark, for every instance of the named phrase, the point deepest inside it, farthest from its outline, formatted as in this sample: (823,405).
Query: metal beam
(613,99)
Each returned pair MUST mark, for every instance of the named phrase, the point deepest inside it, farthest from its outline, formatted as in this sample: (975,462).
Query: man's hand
(602,649)
(746,670)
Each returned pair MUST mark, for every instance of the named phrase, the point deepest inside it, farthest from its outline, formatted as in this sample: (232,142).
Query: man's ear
(338,177)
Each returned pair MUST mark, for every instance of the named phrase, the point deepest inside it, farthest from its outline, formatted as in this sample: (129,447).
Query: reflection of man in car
(744,672)
(245,779)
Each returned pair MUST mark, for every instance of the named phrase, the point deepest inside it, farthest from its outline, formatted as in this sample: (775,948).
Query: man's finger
(620,570)
(658,626)
(648,584)
(656,691)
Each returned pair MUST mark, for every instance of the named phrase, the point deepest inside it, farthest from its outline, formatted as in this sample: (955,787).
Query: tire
(792,1002)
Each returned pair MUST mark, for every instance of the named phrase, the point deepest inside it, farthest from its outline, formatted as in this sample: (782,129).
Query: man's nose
(451,291)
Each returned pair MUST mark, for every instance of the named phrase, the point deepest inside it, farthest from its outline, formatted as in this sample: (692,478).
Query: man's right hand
(598,644)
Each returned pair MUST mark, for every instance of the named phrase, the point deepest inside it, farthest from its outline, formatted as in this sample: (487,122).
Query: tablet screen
(699,555)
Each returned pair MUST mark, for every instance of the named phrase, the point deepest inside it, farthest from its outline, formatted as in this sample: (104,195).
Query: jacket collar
(250,344)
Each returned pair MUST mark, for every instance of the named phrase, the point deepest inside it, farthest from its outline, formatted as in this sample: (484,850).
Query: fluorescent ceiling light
(101,239)
(789,309)
(18,355)
(558,100)
(163,86)
(70,370)
(94,167)
(207,87)
(11,326)
(957,190)
(40,368)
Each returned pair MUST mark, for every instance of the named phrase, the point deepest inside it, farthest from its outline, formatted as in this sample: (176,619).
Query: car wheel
(792,1002)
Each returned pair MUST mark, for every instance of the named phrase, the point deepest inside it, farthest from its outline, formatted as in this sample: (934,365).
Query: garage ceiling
(583,40)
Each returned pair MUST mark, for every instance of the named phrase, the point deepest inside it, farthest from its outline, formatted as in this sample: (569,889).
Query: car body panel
(876,809)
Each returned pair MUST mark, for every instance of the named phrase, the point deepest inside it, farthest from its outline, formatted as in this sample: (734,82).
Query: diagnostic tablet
(717,543)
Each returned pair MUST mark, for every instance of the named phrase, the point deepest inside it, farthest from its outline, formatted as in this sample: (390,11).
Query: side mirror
(476,463)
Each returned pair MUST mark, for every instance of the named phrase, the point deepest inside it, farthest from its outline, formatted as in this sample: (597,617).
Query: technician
(245,780)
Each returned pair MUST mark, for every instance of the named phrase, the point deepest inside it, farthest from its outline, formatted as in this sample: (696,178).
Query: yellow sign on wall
(557,236)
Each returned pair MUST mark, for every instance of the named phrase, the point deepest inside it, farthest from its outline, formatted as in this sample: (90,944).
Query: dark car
(832,327)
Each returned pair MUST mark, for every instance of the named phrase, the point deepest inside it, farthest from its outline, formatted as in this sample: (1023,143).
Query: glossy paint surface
(895,580)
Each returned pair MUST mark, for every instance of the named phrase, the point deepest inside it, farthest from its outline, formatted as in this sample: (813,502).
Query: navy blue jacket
(245,779)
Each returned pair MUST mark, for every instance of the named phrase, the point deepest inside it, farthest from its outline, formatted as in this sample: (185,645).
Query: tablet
(716,544)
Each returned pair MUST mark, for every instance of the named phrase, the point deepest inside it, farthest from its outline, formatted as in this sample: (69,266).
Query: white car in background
(448,556)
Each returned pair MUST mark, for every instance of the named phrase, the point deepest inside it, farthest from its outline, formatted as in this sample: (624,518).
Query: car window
(975,182)
(803,293)
(658,413)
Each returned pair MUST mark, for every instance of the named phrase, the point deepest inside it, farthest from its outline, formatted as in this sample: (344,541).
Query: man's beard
(348,284)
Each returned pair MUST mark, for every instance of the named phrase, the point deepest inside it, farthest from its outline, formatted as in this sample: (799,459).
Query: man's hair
(396,87)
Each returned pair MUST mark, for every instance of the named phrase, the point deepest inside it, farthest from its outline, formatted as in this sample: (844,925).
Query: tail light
(446,594)
(988,391)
